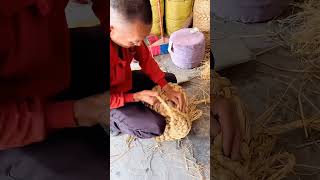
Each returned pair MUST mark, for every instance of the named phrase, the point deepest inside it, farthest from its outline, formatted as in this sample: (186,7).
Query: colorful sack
(156,49)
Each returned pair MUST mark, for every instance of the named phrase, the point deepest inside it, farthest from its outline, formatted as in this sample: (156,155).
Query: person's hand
(225,121)
(176,97)
(92,110)
(146,96)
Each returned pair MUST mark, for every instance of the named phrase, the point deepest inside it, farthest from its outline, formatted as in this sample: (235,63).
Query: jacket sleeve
(149,66)
(27,121)
(120,99)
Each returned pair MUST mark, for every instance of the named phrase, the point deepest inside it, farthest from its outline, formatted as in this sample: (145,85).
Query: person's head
(130,21)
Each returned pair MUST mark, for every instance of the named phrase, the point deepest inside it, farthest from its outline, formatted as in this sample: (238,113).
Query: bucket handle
(170,47)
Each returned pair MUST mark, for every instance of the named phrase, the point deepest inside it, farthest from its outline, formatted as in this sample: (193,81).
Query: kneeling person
(130,23)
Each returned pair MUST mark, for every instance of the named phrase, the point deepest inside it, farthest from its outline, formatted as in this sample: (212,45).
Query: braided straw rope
(178,123)
(259,162)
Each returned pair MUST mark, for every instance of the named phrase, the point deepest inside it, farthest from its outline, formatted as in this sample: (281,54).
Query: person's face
(129,34)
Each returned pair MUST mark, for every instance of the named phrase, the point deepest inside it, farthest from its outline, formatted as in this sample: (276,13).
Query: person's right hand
(92,110)
(176,97)
(225,121)
(146,96)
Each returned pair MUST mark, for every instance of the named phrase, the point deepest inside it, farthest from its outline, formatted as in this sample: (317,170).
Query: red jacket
(34,66)
(121,76)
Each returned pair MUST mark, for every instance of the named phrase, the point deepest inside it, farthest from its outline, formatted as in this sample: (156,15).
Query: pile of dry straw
(201,20)
(201,15)
(301,31)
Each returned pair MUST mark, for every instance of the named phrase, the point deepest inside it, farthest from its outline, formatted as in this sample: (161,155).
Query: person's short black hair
(133,9)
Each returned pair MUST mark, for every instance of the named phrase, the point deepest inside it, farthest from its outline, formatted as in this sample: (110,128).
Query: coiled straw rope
(201,15)
(259,162)
(178,123)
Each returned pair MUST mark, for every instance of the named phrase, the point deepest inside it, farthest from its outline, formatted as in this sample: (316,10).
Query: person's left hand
(176,97)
